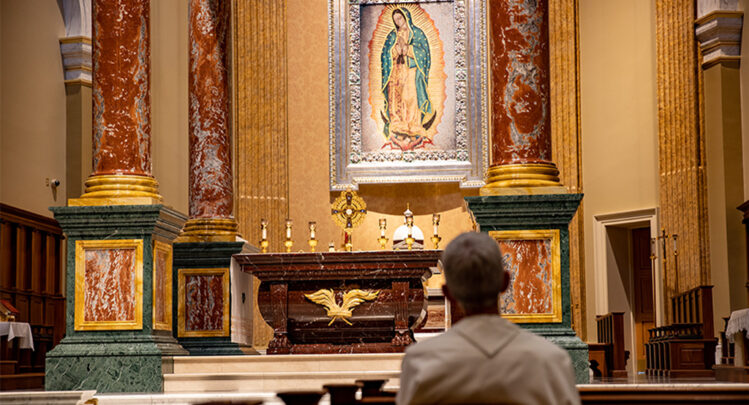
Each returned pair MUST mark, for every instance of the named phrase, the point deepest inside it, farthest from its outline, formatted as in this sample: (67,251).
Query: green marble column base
(533,212)
(205,255)
(105,365)
(125,360)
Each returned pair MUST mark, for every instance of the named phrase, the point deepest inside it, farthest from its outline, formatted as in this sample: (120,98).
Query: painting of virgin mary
(405,62)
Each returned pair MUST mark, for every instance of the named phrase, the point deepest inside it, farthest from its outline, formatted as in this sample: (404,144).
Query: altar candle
(383,224)
(674,236)
(288,229)
(312,229)
(264,228)
(436,223)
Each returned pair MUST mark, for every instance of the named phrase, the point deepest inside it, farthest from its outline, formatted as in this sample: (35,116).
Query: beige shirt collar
(488,333)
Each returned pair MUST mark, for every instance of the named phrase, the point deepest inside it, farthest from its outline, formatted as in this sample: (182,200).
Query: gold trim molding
(555,316)
(208,230)
(119,189)
(182,274)
(81,246)
(159,246)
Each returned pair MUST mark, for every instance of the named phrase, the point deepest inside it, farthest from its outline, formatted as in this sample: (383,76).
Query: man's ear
(505,282)
(448,294)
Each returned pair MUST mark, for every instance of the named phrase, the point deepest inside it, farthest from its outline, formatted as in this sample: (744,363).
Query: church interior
(233,200)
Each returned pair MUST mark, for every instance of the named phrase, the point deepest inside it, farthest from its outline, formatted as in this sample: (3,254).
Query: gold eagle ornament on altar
(351,299)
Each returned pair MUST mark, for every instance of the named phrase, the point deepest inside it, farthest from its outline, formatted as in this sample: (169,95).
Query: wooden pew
(31,281)
(609,352)
(686,348)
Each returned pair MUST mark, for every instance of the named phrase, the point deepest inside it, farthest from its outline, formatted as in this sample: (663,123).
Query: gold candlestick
(349,245)
(312,241)
(263,236)
(410,223)
(436,238)
(288,243)
(382,239)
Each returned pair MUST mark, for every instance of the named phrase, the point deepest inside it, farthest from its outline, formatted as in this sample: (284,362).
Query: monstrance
(348,211)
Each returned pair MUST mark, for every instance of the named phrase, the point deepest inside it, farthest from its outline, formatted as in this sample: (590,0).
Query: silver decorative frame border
(467,164)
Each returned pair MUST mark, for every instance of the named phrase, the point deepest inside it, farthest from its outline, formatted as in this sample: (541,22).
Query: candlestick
(436,238)
(264,236)
(382,239)
(312,241)
(331,247)
(288,243)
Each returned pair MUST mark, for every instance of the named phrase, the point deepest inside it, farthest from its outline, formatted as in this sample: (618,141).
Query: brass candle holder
(263,236)
(349,243)
(312,241)
(435,237)
(410,239)
(382,239)
(288,243)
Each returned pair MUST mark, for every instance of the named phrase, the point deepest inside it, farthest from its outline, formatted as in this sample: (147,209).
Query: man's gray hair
(474,271)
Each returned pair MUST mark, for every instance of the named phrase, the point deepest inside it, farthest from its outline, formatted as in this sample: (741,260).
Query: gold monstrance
(348,212)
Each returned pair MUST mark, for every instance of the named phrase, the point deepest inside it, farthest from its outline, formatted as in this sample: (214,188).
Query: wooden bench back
(611,330)
(695,306)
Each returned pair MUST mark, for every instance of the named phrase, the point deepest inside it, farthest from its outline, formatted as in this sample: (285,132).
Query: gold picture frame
(555,316)
(81,247)
(182,274)
(159,246)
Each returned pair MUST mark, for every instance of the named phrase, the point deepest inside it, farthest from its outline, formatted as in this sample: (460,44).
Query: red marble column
(210,144)
(521,113)
(211,193)
(121,87)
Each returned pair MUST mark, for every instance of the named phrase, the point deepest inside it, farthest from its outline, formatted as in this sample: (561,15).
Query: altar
(341,302)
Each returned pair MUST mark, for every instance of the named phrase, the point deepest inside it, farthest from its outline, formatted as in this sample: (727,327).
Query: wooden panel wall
(681,147)
(31,260)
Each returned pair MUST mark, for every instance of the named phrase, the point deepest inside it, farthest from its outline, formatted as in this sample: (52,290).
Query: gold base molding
(530,178)
(208,230)
(118,189)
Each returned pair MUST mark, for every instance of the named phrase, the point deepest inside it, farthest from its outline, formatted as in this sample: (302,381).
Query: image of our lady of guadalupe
(406,61)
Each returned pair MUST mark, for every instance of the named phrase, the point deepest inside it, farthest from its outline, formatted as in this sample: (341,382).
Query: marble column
(203,251)
(520,100)
(118,234)
(211,193)
(523,206)
(121,106)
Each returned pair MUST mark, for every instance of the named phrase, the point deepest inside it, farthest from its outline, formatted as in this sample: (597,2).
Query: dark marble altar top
(336,265)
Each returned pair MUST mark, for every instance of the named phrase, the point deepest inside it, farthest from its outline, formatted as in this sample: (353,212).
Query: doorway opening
(627,278)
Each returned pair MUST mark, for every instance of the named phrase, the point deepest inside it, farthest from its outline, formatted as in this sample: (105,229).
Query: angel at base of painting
(406,61)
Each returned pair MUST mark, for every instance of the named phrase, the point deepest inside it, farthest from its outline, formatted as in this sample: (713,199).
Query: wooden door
(643,308)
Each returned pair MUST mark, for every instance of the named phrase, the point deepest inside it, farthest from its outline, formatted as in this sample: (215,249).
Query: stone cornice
(719,35)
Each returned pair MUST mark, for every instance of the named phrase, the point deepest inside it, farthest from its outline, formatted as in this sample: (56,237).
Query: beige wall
(169,109)
(32,147)
(310,197)
(619,124)
(33,129)
(744,73)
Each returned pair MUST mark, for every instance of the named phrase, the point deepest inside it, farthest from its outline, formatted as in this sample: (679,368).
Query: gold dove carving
(351,299)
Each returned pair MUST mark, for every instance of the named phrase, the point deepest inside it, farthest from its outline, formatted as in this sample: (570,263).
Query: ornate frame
(555,316)
(167,293)
(81,246)
(467,164)
(225,330)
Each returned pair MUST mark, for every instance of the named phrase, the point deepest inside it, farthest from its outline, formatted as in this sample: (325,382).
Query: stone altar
(390,282)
